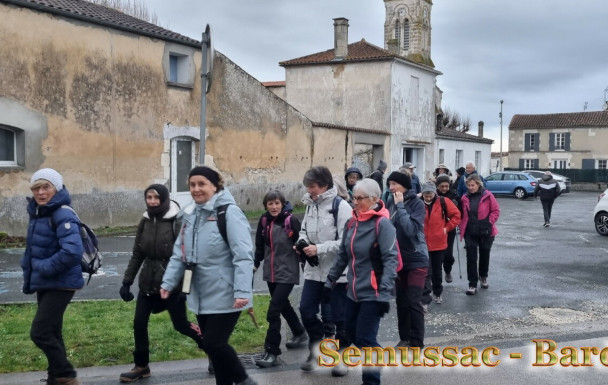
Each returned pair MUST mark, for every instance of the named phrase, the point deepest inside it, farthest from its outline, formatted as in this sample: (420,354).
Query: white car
(563,182)
(600,214)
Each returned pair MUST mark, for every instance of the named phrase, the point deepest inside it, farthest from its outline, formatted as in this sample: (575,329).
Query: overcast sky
(539,56)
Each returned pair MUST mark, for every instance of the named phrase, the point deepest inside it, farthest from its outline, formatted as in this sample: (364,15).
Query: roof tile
(563,120)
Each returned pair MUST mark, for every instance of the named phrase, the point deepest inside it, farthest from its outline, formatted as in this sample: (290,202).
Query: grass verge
(100,333)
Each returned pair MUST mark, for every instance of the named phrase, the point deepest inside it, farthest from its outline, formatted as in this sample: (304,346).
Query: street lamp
(500,115)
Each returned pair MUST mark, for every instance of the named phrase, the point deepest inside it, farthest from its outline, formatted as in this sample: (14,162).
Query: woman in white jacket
(319,243)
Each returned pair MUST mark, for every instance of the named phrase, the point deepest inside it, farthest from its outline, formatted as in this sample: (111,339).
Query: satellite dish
(210,53)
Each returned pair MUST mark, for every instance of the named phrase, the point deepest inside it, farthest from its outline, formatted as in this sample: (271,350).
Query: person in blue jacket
(216,273)
(469,170)
(51,268)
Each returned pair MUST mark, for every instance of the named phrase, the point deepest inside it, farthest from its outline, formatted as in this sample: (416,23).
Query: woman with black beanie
(153,247)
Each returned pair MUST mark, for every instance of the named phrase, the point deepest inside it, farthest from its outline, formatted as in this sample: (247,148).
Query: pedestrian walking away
(51,268)
(480,212)
(548,190)
(152,249)
(368,248)
(216,273)
(276,234)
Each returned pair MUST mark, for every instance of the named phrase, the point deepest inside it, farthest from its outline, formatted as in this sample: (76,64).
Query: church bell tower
(407,29)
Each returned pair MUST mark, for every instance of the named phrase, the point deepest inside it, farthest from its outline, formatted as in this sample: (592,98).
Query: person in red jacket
(437,225)
(480,212)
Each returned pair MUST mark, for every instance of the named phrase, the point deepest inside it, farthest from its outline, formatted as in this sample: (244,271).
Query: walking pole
(250,310)
(458,249)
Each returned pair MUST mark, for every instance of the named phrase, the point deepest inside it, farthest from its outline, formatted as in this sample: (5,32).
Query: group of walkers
(357,253)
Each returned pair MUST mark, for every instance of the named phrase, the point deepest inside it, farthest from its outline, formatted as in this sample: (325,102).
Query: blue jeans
(310,304)
(362,322)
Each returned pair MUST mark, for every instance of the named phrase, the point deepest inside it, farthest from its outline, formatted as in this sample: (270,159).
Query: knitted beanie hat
(429,186)
(442,178)
(403,179)
(49,174)
(382,165)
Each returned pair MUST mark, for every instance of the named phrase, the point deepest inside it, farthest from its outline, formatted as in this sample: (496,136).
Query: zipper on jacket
(352,252)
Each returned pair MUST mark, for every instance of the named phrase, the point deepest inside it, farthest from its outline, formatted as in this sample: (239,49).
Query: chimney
(480,129)
(340,38)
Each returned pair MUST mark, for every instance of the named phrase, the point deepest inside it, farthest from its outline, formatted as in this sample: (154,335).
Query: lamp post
(500,115)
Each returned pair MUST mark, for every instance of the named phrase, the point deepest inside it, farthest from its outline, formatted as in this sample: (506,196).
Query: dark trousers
(280,305)
(448,256)
(46,331)
(436,262)
(410,316)
(362,322)
(310,304)
(148,304)
(216,329)
(484,245)
(547,206)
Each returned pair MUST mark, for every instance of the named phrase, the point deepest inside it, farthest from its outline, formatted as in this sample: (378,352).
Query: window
(178,68)
(458,159)
(560,141)
(441,156)
(601,164)
(532,143)
(178,65)
(406,34)
(478,158)
(560,163)
(529,164)
(8,145)
(398,32)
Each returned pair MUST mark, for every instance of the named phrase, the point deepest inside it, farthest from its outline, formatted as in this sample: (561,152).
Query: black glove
(256,264)
(125,292)
(313,261)
(383,308)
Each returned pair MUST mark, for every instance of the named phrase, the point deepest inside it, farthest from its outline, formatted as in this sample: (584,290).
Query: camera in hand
(300,245)
(312,261)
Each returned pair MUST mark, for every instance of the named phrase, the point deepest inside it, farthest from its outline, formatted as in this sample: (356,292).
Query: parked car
(600,214)
(516,183)
(564,182)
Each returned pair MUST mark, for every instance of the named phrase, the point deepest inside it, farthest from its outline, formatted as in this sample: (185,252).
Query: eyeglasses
(361,198)
(44,187)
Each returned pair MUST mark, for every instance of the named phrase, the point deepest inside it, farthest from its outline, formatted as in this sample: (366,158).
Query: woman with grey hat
(51,268)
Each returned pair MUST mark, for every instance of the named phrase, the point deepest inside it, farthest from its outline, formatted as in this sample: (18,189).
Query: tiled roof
(566,120)
(274,84)
(349,128)
(97,14)
(359,51)
(450,133)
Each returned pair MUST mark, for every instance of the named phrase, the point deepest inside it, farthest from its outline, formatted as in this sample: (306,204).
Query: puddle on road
(557,315)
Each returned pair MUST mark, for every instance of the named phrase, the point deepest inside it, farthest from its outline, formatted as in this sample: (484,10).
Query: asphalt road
(544,283)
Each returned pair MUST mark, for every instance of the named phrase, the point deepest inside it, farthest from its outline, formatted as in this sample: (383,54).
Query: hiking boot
(297,342)
(546,224)
(339,370)
(448,277)
(310,364)
(67,381)
(49,381)
(402,344)
(135,374)
(472,290)
(484,282)
(438,299)
(425,307)
(268,360)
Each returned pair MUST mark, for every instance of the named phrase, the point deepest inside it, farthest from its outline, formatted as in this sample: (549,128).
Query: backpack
(221,220)
(91,258)
(286,226)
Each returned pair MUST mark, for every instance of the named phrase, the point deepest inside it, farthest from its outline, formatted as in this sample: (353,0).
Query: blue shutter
(568,141)
(521,164)
(588,164)
(173,68)
(551,142)
(536,163)
(537,142)
(527,142)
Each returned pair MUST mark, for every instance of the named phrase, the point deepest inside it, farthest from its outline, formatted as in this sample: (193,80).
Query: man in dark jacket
(378,175)
(470,169)
(548,189)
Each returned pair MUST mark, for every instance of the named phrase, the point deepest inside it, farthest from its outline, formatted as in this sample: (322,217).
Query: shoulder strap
(52,217)
(221,221)
(287,226)
(335,209)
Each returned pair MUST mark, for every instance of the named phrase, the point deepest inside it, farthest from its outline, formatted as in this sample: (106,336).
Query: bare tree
(454,121)
(135,8)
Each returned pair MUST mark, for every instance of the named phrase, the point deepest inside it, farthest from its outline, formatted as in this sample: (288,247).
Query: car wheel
(520,193)
(601,223)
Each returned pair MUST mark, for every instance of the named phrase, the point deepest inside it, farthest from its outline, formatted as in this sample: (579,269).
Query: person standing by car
(51,268)
(277,232)
(216,272)
(548,189)
(480,212)
(153,246)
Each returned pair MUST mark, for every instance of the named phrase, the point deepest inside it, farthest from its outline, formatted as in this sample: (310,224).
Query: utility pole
(500,115)
(206,69)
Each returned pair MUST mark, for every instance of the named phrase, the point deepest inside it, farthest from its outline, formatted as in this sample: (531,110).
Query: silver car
(564,182)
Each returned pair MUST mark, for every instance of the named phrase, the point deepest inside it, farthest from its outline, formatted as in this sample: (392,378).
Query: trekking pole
(458,249)
(250,310)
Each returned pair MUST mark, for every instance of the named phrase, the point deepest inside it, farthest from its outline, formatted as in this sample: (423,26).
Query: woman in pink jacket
(480,212)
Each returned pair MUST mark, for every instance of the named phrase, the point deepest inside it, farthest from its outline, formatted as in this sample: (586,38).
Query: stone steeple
(407,29)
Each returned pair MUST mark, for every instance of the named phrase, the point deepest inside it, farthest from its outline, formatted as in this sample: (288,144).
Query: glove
(383,308)
(313,261)
(256,264)
(125,292)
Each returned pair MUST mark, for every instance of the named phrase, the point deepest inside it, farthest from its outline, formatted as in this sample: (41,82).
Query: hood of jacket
(61,197)
(380,210)
(547,178)
(172,213)
(352,169)
(327,195)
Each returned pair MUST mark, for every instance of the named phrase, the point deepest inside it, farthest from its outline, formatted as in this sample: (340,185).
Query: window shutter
(527,142)
(551,142)
(521,164)
(536,164)
(568,141)
(588,164)
(537,142)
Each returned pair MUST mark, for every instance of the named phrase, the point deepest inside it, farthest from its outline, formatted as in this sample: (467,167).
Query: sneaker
(135,374)
(546,224)
(210,368)
(484,282)
(448,277)
(268,360)
(339,370)
(438,299)
(472,290)
(309,364)
(297,342)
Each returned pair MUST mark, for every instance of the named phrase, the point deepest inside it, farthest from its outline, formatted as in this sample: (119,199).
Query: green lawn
(100,333)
